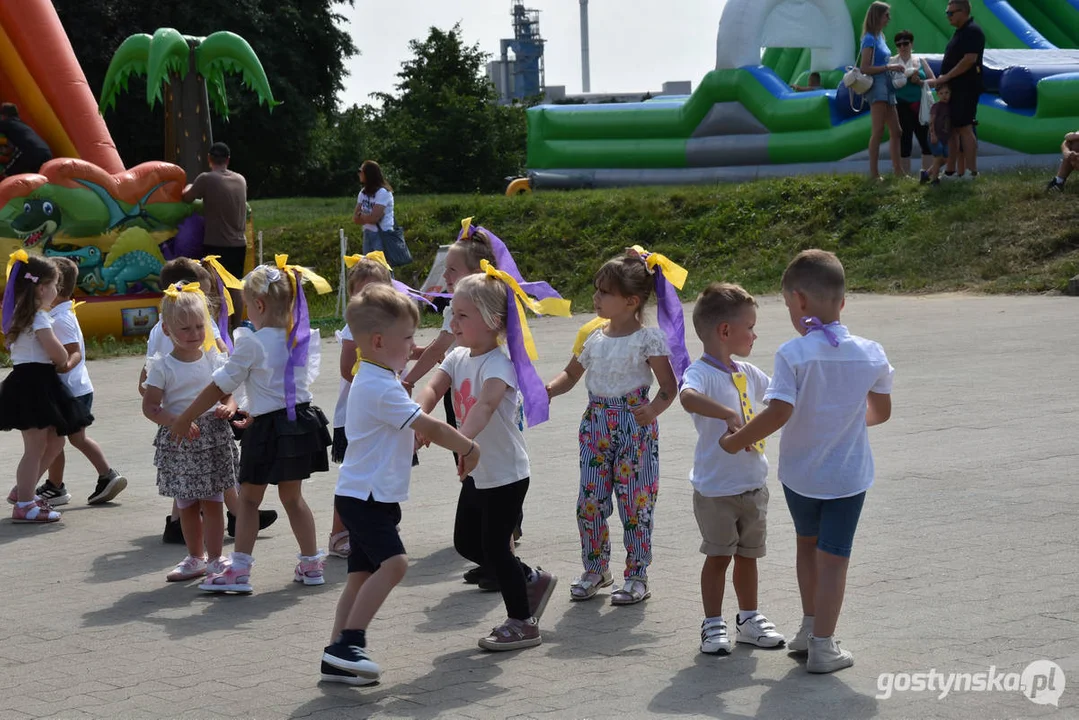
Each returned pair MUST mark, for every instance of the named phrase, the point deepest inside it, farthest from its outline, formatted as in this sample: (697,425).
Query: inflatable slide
(744,121)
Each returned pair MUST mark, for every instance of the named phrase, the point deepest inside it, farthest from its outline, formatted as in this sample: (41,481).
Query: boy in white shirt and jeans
(827,387)
(730,497)
(373,480)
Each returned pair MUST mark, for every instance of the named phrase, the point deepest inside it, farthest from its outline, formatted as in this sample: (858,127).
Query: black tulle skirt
(33,396)
(275,449)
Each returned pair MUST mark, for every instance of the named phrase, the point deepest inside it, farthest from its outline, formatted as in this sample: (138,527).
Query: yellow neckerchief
(17,256)
(587,329)
(227,279)
(321,286)
(547,306)
(376,255)
(173,293)
(76,304)
(674,273)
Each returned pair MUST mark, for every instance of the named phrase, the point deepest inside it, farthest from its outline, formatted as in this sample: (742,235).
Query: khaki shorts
(733,524)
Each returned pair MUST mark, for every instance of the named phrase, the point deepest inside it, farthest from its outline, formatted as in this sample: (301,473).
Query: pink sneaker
(13,496)
(309,570)
(191,568)
(233,578)
(36,512)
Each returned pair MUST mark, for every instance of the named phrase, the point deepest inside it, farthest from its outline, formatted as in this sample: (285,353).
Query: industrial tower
(522,78)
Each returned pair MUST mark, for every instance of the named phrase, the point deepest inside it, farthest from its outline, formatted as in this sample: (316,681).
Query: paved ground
(965,559)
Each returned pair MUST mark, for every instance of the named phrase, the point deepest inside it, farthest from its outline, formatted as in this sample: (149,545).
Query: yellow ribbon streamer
(76,304)
(17,256)
(376,255)
(319,283)
(587,329)
(674,273)
(466,225)
(548,306)
(227,279)
(173,293)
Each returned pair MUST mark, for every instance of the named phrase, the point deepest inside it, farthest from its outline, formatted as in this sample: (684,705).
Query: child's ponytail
(25,273)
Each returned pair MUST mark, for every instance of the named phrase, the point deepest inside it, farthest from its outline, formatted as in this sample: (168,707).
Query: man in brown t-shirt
(224,207)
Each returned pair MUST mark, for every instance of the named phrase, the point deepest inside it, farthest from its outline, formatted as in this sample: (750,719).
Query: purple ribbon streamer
(9,298)
(504,261)
(533,391)
(297,343)
(413,293)
(720,365)
(223,313)
(672,323)
(813,323)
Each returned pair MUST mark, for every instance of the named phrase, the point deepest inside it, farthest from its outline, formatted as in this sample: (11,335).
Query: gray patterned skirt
(201,468)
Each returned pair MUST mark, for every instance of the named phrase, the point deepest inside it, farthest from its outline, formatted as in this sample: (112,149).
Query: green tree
(444,130)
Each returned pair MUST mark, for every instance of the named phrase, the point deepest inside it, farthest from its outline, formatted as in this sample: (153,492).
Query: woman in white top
(374,206)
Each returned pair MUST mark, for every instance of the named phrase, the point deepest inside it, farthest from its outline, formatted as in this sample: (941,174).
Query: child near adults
(364,271)
(828,387)
(33,400)
(875,61)
(730,494)
(940,131)
(196,470)
(619,434)
(1069,149)
(75,376)
(287,439)
(814,83)
(488,402)
(381,421)
(185,270)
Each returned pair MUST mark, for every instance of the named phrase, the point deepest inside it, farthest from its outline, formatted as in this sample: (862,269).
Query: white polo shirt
(824,451)
(378,425)
(715,472)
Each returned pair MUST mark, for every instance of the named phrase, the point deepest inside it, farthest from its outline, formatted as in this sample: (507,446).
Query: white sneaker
(800,643)
(825,655)
(714,638)
(758,631)
(190,568)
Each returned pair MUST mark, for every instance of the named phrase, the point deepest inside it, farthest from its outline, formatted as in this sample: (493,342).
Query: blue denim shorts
(939,149)
(882,90)
(832,522)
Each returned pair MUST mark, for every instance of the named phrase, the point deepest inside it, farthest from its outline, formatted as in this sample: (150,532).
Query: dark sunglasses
(902,43)
(949,13)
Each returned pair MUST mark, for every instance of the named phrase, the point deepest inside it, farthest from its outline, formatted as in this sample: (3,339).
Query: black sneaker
(331,674)
(352,658)
(489,583)
(473,576)
(924,179)
(108,487)
(266,519)
(174,534)
(1054,186)
(53,495)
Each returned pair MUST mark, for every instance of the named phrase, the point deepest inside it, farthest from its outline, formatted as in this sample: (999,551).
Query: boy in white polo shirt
(828,386)
(730,497)
(373,480)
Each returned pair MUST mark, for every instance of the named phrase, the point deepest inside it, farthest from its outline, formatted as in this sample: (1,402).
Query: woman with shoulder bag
(374,210)
(908,96)
(881,97)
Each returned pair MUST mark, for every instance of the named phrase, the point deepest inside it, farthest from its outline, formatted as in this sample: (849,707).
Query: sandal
(339,545)
(586,586)
(634,591)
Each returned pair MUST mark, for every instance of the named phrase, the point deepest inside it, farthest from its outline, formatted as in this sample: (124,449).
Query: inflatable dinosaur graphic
(39,221)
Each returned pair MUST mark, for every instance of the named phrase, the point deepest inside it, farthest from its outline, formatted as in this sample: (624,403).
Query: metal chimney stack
(586,80)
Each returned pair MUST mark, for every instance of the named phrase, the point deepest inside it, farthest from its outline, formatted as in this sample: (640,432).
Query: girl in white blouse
(619,434)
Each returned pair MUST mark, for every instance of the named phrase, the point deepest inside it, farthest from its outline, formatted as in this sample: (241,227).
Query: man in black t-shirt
(962,70)
(31,152)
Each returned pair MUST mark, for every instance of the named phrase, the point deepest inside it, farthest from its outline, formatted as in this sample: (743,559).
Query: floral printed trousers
(619,459)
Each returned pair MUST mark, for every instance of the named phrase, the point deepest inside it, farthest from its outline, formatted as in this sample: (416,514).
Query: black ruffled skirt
(275,449)
(33,396)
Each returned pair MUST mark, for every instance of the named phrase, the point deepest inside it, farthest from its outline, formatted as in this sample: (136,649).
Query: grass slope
(1001,233)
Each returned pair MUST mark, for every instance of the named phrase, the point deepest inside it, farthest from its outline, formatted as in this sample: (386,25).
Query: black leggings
(495,511)
(908,122)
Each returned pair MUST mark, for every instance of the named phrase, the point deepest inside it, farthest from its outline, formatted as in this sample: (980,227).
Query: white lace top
(617,366)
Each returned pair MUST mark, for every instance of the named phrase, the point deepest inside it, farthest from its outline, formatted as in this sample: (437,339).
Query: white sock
(1058,180)
(240,559)
(715,620)
(744,615)
(28,503)
(820,639)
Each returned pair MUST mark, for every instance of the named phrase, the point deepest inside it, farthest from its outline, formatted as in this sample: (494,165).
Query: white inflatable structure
(749,25)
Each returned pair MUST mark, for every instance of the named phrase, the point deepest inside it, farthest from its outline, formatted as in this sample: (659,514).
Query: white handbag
(926,107)
(857,81)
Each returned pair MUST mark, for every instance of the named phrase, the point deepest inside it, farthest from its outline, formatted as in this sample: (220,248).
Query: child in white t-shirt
(730,495)
(828,386)
(373,481)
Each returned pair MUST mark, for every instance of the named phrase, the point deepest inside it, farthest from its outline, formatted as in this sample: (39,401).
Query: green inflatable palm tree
(191,70)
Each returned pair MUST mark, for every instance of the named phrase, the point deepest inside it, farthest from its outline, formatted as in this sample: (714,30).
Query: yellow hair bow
(17,256)
(376,255)
(674,273)
(587,329)
(173,293)
(317,281)
(466,225)
(547,306)
(227,279)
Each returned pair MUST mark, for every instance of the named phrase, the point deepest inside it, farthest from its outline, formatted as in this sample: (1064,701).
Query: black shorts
(372,531)
(963,107)
(87,401)
(233,258)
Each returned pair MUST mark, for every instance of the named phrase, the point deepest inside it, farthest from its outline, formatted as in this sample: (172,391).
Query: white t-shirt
(161,344)
(342,394)
(27,348)
(716,473)
(258,363)
(67,330)
(383,197)
(619,365)
(378,425)
(504,457)
(181,382)
(824,451)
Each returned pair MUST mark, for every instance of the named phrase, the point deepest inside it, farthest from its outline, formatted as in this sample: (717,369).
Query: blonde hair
(476,248)
(874,18)
(367,270)
(377,307)
(488,294)
(719,303)
(271,285)
(177,310)
(818,274)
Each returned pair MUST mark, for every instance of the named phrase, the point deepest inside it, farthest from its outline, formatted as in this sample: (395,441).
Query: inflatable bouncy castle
(744,121)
